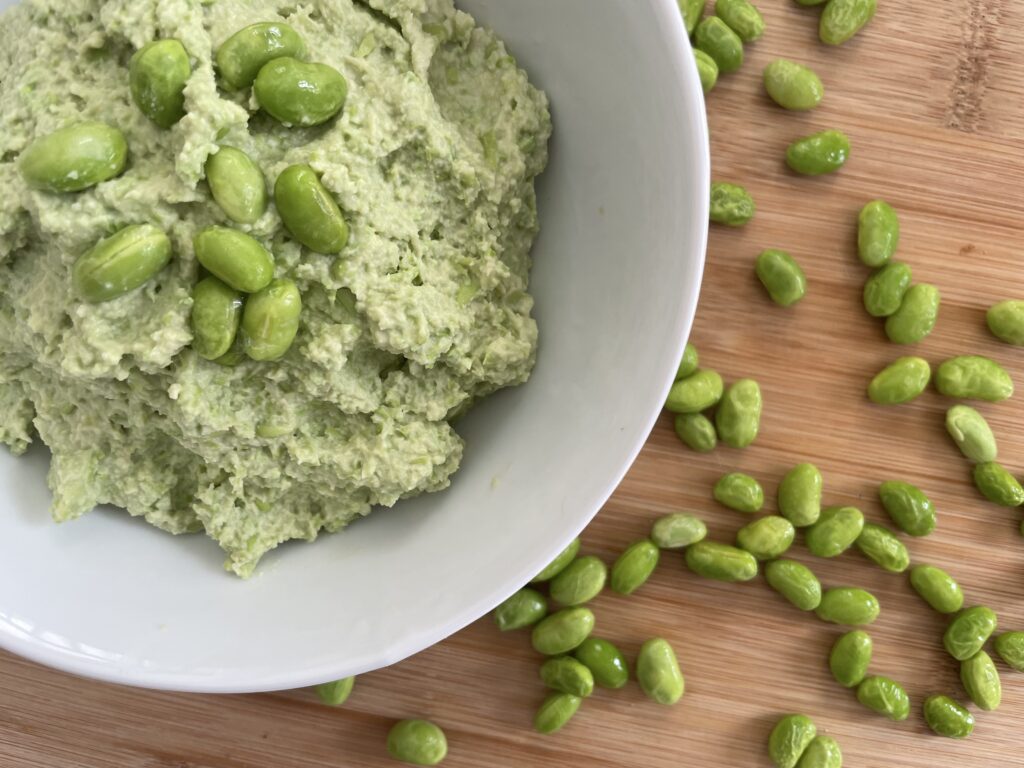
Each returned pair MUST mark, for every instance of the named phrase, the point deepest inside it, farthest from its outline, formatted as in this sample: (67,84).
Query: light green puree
(432,161)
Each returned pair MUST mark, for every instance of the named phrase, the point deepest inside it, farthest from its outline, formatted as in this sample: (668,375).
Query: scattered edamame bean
(158,74)
(937,588)
(707,70)
(740,492)
(731,204)
(245,53)
(971,433)
(689,363)
(419,742)
(781,276)
(236,258)
(878,233)
(579,582)
(881,546)
(121,263)
(800,495)
(720,562)
(1006,321)
(742,17)
(692,11)
(657,672)
(822,752)
(555,712)
(850,658)
(842,19)
(795,582)
(848,605)
(835,532)
(634,567)
(916,316)
(969,631)
(738,417)
(562,631)
(1010,647)
(216,313)
(998,485)
(947,718)
(299,93)
(696,392)
(74,158)
(556,566)
(908,507)
(678,530)
(767,537)
(885,289)
(789,739)
(270,320)
(309,212)
(792,85)
(717,40)
(237,185)
(605,661)
(523,609)
(901,381)
(567,675)
(335,693)
(696,431)
(884,696)
(973,377)
(980,679)
(819,153)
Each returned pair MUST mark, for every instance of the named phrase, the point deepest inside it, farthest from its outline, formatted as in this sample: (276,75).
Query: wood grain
(932,96)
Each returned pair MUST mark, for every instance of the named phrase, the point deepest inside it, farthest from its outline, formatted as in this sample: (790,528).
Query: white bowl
(618,267)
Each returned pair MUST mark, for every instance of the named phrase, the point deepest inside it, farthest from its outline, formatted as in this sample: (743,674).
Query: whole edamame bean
(605,661)
(850,656)
(835,532)
(308,210)
(767,537)
(695,393)
(419,742)
(740,492)
(1006,321)
(237,185)
(885,289)
(1010,647)
(298,93)
(74,158)
(235,257)
(335,693)
(878,233)
(793,86)
(937,588)
(781,276)
(916,316)
(121,263)
(556,566)
(848,605)
(523,609)
(969,631)
(908,507)
(795,582)
(270,320)
(981,681)
(731,204)
(692,11)
(881,546)
(158,74)
(689,363)
(720,562)
(678,530)
(567,675)
(973,377)
(657,672)
(579,582)
(900,382)
(717,40)
(819,153)
(245,53)
(789,740)
(998,485)
(216,313)
(738,417)
(947,718)
(800,495)
(884,696)
(696,431)
(842,19)
(823,752)
(634,567)
(562,631)
(555,712)
(707,70)
(742,17)
(971,433)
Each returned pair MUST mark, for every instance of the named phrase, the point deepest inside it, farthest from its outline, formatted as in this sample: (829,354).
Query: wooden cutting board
(932,97)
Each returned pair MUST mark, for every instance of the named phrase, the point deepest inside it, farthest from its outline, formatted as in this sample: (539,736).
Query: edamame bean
(1006,321)
(981,681)
(245,53)
(634,567)
(657,672)
(309,212)
(767,537)
(800,495)
(678,530)
(740,492)
(270,320)
(158,74)
(848,605)
(842,19)
(692,11)
(819,153)
(969,631)
(742,17)
(823,752)
(235,257)
(720,562)
(731,204)
(792,85)
(689,363)
(901,381)
(696,431)
(795,582)
(884,696)
(555,712)
(973,377)
(419,742)
(567,675)
(881,546)
(850,657)
(781,276)
(885,289)
(937,588)
(878,233)
(717,40)
(74,158)
(605,661)
(789,740)
(695,393)
(835,532)
(947,718)
(299,93)
(523,609)
(707,70)
(237,185)
(335,693)
(998,485)
(1010,647)
(216,313)
(971,433)
(556,566)
(562,631)
(738,417)
(916,317)
(121,263)
(908,507)
(580,582)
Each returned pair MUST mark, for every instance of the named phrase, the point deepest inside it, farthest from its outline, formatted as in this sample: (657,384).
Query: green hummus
(426,309)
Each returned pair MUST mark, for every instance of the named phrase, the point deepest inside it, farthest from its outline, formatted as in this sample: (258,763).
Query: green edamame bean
(908,507)
(419,742)
(580,581)
(740,492)
(885,289)
(216,313)
(717,40)
(158,74)
(1006,321)
(971,433)
(235,257)
(878,233)
(792,85)
(823,752)
(74,158)
(1010,647)
(556,566)
(884,696)
(850,657)
(270,320)
(696,431)
(562,631)
(657,672)
(795,582)
(335,693)
(689,363)
(800,495)
(605,661)
(555,712)
(901,381)
(707,70)
(245,53)
(848,605)
(781,276)
(937,588)
(678,530)
(789,740)
(916,316)
(981,681)
(881,546)
(836,530)
(998,485)
(767,537)
(947,718)
(695,393)
(523,609)
(237,185)
(842,19)
(567,675)
(692,11)
(742,17)
(299,93)
(720,562)
(973,377)
(309,212)
(634,567)
(121,263)
(969,631)
(738,417)
(731,204)
(819,153)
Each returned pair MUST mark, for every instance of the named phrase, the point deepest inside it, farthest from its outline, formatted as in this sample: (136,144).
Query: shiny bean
(835,532)
(884,696)
(309,212)
(947,718)
(916,317)
(158,74)
(121,263)
(567,675)
(742,17)
(634,567)
(419,742)
(605,661)
(969,631)
(298,93)
(800,495)
(767,537)
(789,740)
(885,289)
(823,752)
(695,393)
(740,492)
(781,276)
(720,562)
(74,158)
(336,693)
(738,417)
(237,185)
(795,582)
(678,530)
(973,377)
(657,672)
(971,433)
(557,710)
(850,657)
(696,431)
(842,19)
(717,40)
(216,314)
(901,381)
(793,86)
(707,71)
(1010,647)
(998,485)
(881,546)
(562,631)
(878,233)
(556,566)
(689,363)
(908,507)
(731,204)
(848,605)
(579,582)
(980,679)
(819,153)
(270,320)
(245,53)
(937,588)
(235,257)
(523,609)
(1006,321)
